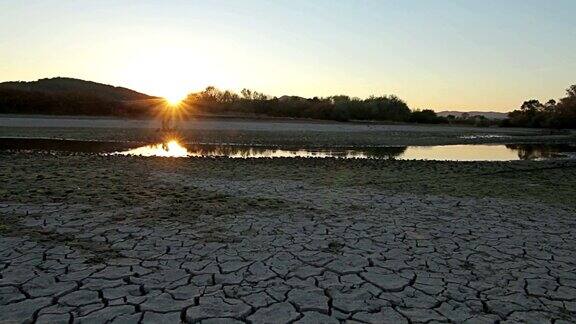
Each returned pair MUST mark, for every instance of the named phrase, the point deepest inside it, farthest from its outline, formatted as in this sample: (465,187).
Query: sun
(174,100)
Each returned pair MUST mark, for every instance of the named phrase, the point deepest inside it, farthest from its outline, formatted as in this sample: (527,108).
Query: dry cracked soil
(93,239)
(113,239)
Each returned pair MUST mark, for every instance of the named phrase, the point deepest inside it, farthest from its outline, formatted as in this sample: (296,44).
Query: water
(173,148)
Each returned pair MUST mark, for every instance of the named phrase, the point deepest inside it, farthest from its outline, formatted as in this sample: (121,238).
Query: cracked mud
(217,241)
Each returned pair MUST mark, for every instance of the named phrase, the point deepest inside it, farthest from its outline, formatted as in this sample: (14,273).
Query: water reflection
(168,149)
(174,148)
(477,152)
(540,151)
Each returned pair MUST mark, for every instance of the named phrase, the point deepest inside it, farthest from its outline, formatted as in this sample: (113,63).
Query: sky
(443,54)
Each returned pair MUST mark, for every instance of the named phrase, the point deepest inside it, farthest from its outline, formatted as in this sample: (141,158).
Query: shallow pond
(173,148)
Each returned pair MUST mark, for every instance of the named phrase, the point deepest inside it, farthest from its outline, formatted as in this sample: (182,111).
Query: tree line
(30,98)
(552,114)
(213,101)
(77,97)
(339,108)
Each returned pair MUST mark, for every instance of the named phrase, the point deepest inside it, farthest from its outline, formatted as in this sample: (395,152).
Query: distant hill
(291,98)
(487,114)
(66,96)
(76,87)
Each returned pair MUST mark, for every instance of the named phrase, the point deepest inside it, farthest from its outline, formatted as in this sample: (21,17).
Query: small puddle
(172,148)
(485,136)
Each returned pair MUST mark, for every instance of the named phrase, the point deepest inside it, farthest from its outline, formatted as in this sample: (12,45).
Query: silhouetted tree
(341,108)
(426,116)
(552,114)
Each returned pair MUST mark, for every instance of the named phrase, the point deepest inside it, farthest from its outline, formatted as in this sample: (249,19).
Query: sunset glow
(427,53)
(174,101)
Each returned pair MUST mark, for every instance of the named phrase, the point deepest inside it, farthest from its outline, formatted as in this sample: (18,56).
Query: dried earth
(92,239)
(112,239)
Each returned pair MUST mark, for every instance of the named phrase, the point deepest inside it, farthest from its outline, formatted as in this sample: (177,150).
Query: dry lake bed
(92,237)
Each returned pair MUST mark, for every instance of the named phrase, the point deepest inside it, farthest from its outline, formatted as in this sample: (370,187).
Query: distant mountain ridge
(60,85)
(487,114)
(68,96)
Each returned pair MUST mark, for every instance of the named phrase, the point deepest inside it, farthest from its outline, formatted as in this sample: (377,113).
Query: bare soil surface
(285,133)
(115,239)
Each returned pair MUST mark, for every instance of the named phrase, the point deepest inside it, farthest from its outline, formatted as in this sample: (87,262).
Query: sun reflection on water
(168,149)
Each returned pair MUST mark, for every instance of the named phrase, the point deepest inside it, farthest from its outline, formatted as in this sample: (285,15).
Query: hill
(66,96)
(487,114)
(77,87)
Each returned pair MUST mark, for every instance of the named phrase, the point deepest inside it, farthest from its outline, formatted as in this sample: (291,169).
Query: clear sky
(452,54)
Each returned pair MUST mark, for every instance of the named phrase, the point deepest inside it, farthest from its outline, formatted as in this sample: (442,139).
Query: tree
(531,106)
(552,114)
(571,92)
(246,94)
(426,116)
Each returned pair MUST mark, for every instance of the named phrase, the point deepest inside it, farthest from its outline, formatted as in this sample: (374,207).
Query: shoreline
(293,134)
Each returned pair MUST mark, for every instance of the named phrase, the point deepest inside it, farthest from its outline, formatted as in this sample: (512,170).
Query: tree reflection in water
(540,151)
(241,151)
(174,147)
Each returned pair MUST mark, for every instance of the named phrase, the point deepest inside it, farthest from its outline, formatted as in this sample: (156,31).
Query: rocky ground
(95,239)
